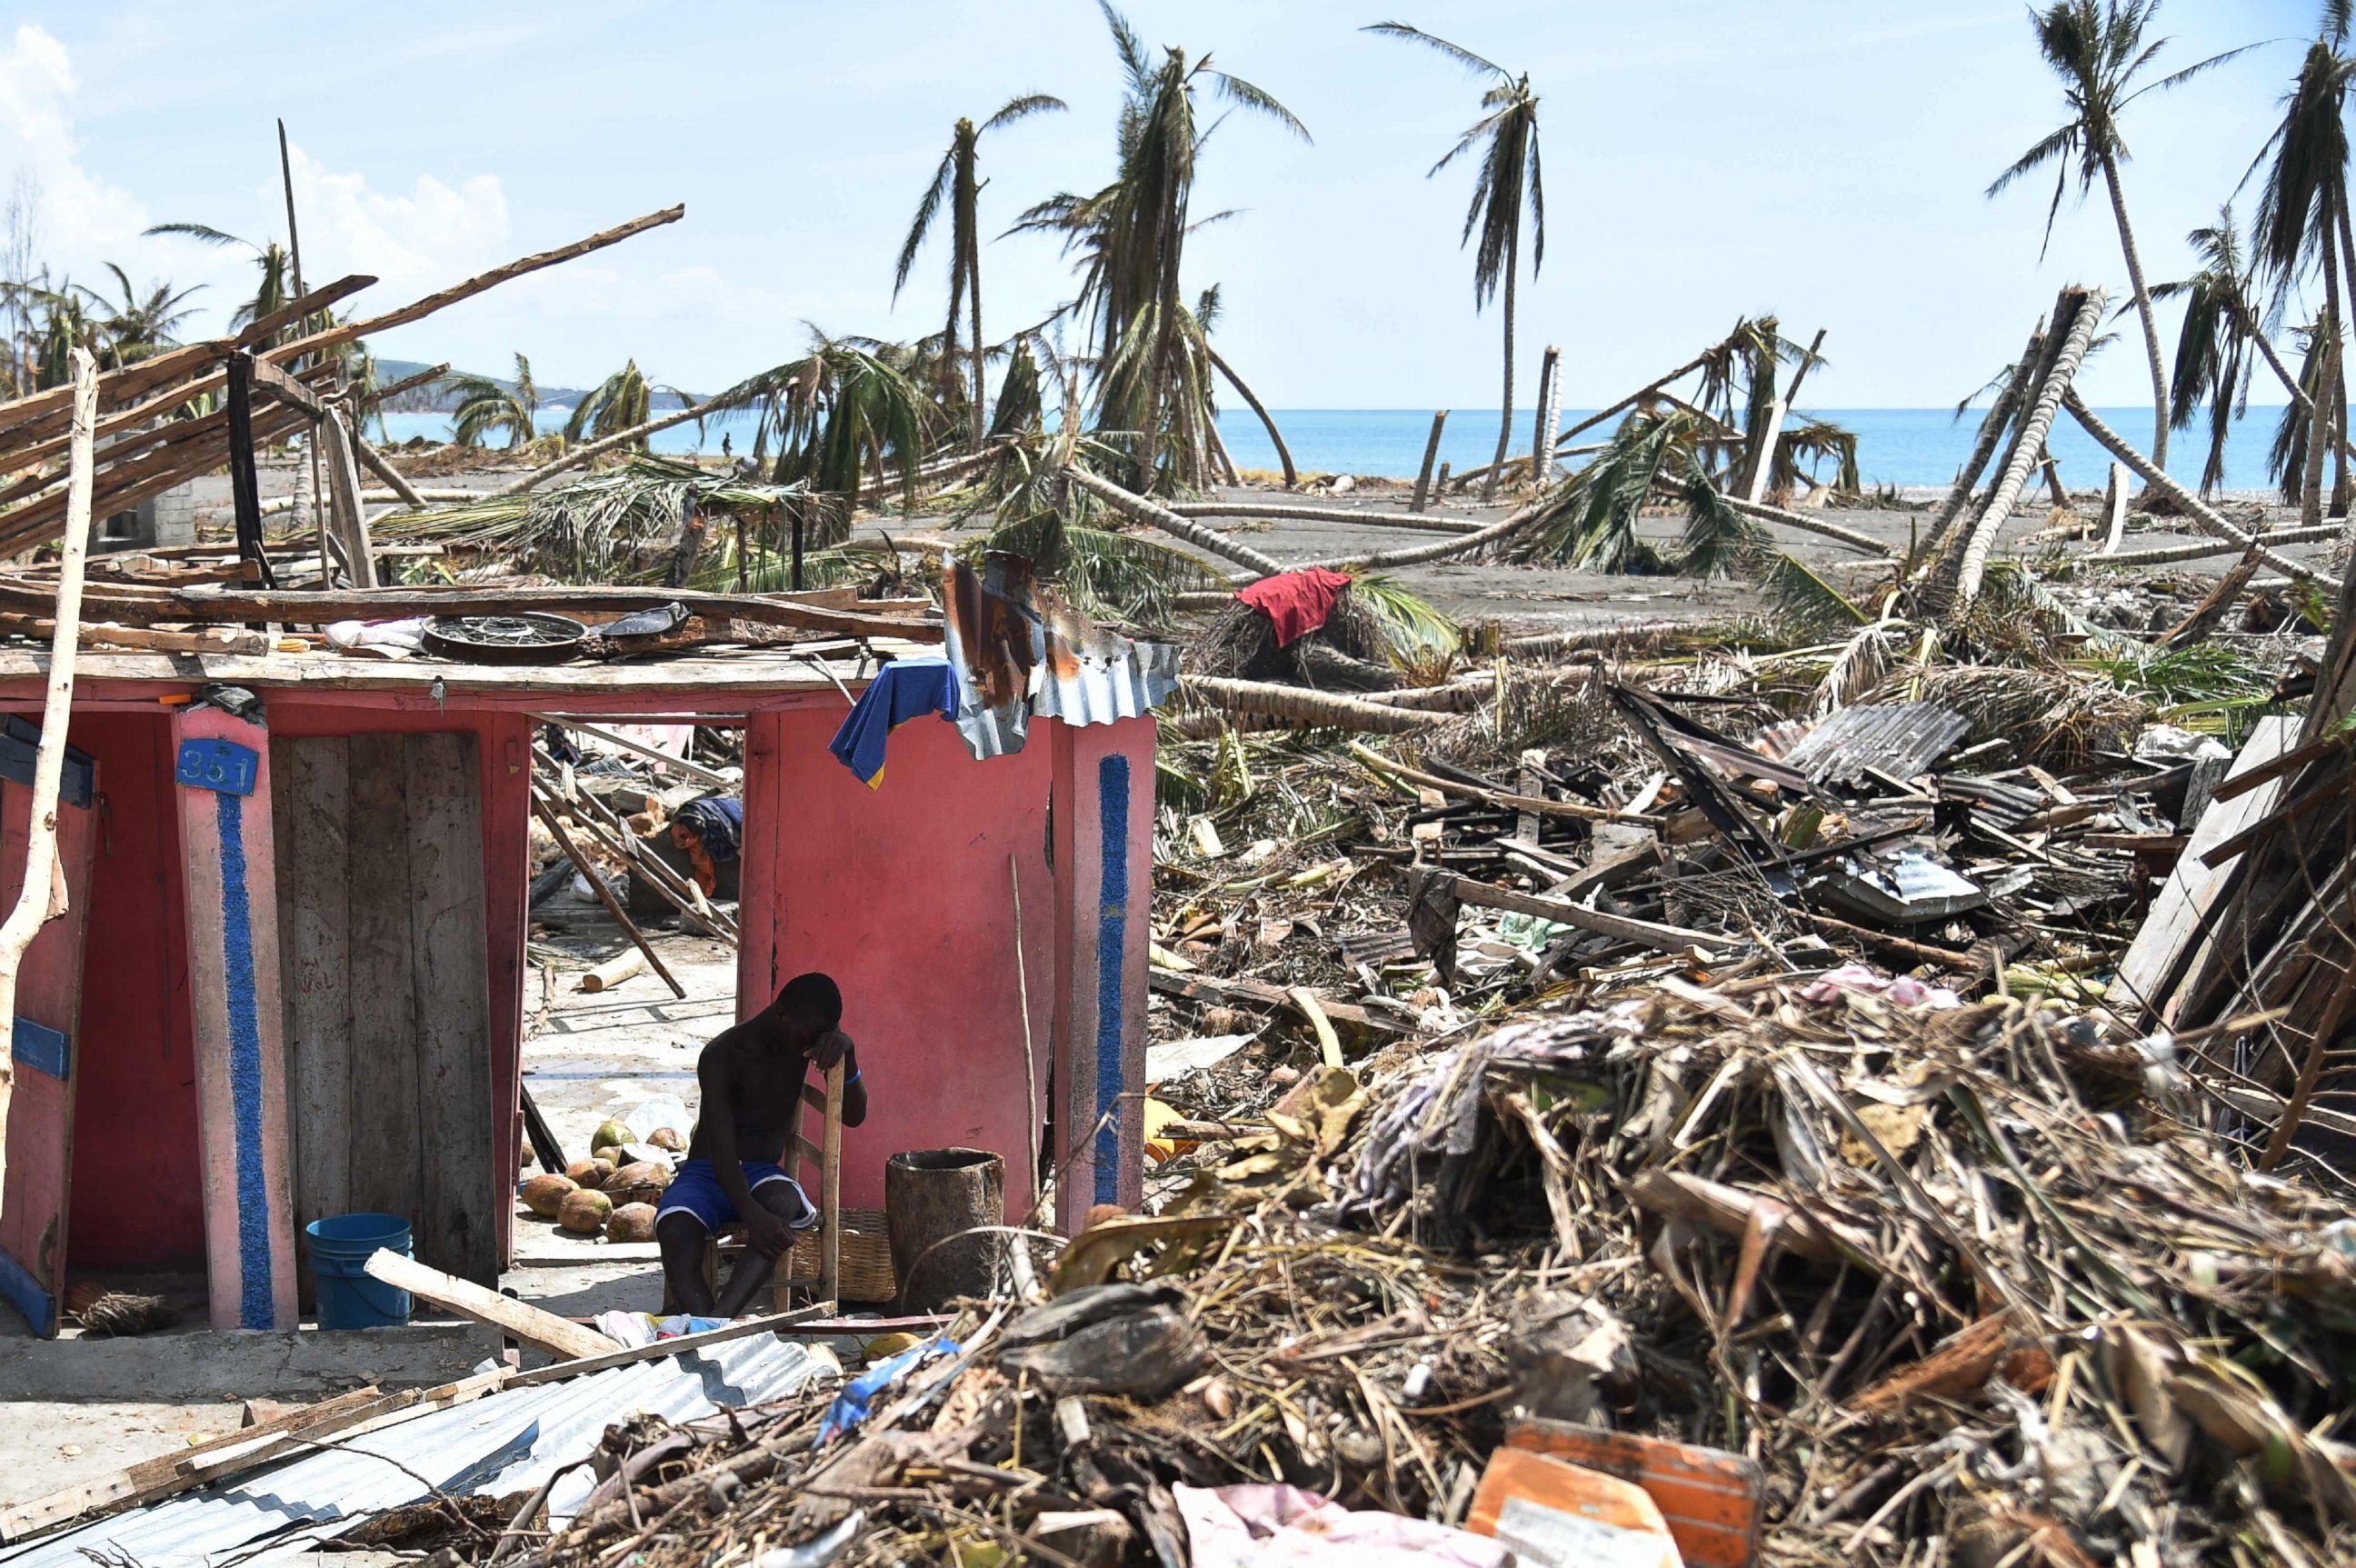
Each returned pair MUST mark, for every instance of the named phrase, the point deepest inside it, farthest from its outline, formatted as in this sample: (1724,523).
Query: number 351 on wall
(222,765)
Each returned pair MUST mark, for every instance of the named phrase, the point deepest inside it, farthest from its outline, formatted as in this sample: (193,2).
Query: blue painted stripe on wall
(26,1292)
(256,1305)
(1112,932)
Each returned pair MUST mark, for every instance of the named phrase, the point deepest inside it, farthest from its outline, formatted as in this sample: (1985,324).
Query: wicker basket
(865,1258)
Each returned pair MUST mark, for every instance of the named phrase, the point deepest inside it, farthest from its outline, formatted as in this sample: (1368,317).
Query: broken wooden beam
(520,1321)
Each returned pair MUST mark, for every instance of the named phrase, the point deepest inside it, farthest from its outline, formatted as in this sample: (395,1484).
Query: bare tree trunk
(1169,522)
(33,908)
(973,293)
(1268,422)
(2209,520)
(1505,415)
(1296,705)
(1431,454)
(1999,419)
(1550,415)
(1973,563)
(2144,311)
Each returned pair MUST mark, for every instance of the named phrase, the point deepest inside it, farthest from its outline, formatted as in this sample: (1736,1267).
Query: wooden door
(44,1037)
(386,980)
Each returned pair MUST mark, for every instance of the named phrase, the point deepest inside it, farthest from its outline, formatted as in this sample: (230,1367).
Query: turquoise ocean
(1904,446)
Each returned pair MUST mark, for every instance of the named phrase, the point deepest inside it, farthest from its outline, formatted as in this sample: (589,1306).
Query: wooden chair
(804,1157)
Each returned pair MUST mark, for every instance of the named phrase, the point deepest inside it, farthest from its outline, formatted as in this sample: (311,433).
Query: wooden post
(1431,451)
(229,862)
(794,514)
(33,909)
(2114,508)
(244,486)
(1542,441)
(350,510)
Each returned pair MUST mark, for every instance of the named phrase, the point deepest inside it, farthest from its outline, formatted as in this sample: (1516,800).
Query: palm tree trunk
(973,291)
(1267,420)
(2143,310)
(1973,563)
(2002,417)
(1294,705)
(1506,417)
(1157,387)
(2318,424)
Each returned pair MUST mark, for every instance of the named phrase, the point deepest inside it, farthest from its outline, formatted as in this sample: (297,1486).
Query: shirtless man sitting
(752,1078)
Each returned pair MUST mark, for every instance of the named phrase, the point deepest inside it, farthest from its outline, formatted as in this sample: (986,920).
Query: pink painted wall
(136,1198)
(904,895)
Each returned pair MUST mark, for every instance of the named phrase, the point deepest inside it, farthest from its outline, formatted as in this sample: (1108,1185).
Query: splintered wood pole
(294,260)
(2115,509)
(33,909)
(1431,455)
(244,486)
(350,511)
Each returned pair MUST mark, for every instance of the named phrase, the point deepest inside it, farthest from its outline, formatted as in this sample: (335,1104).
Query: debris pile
(1946,1282)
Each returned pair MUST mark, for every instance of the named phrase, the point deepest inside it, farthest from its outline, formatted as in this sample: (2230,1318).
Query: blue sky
(1822,159)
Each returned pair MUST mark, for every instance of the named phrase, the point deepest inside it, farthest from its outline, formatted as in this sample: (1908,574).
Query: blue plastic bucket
(341,1246)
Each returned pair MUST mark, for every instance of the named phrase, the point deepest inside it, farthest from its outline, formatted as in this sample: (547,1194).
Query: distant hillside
(435,397)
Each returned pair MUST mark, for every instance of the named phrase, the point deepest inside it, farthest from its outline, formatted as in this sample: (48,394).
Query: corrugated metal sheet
(504,1442)
(1020,650)
(1902,739)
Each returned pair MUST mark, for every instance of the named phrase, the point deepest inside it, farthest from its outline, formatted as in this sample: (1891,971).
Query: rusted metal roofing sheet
(1900,739)
(1019,649)
(503,1443)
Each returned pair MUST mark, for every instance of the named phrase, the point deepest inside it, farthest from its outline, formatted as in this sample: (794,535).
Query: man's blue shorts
(695,1189)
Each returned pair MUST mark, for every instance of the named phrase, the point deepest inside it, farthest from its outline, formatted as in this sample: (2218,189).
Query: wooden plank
(527,1325)
(138,1483)
(685,1343)
(315,928)
(450,969)
(2149,972)
(1644,933)
(386,1147)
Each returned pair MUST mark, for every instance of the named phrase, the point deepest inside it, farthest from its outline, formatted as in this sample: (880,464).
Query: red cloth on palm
(1296,602)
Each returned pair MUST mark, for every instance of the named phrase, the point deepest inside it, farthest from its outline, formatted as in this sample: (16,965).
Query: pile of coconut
(615,1189)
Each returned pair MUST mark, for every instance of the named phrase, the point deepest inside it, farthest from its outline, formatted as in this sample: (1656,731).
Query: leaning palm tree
(958,182)
(487,408)
(2302,219)
(2097,49)
(2212,348)
(621,401)
(1507,137)
(1130,238)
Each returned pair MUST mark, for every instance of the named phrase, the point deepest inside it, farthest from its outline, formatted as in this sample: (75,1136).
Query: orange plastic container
(1558,1515)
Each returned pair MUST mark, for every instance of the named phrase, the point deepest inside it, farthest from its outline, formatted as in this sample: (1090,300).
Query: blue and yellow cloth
(903,690)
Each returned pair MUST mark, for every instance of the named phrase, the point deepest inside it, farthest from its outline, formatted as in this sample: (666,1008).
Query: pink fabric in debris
(1905,990)
(1272,1527)
(1297,602)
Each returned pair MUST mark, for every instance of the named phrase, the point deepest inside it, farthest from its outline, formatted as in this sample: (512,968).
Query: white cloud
(80,214)
(426,240)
